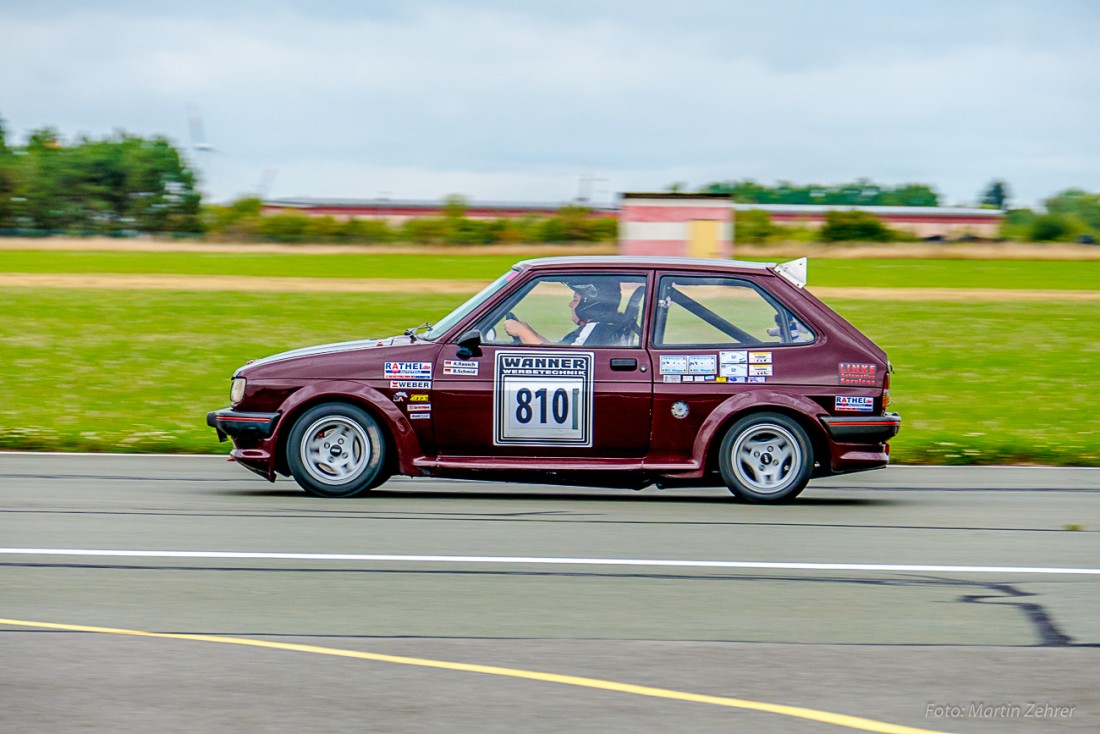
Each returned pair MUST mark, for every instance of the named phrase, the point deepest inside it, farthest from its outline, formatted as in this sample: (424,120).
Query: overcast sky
(517,101)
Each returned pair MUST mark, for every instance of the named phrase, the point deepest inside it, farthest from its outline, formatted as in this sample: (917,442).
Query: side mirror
(469,344)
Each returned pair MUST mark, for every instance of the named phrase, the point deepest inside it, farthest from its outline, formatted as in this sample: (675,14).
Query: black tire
(766,457)
(336,450)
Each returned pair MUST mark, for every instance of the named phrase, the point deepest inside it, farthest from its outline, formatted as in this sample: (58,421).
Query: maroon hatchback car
(599,371)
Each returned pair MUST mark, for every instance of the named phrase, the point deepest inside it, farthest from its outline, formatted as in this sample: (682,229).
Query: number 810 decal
(543,398)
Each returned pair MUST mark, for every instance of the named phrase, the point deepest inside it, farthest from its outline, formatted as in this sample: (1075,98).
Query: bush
(854,226)
(753,227)
(1057,228)
(242,221)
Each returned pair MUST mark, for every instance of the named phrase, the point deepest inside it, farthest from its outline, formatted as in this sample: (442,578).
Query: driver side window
(590,310)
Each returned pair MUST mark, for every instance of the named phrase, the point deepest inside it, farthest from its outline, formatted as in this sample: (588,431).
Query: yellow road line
(851,722)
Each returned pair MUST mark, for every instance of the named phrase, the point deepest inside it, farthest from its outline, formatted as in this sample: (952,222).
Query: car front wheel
(766,457)
(336,450)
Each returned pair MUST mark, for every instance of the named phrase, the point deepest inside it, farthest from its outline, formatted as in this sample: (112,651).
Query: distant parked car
(601,371)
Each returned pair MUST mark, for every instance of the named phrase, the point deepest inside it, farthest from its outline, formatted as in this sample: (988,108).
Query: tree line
(243,221)
(125,184)
(115,185)
(1072,215)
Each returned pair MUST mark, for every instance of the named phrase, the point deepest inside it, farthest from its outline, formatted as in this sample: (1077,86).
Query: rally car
(599,371)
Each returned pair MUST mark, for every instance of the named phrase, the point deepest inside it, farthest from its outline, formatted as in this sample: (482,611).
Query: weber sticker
(408,370)
(459,367)
(410,384)
(857,404)
(543,398)
(856,373)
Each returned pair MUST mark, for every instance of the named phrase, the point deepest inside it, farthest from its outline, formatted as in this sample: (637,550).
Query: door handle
(624,364)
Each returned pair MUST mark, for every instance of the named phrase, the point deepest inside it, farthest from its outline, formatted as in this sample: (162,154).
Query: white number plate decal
(543,398)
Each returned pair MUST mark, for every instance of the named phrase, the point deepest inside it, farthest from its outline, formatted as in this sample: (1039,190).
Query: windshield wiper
(411,333)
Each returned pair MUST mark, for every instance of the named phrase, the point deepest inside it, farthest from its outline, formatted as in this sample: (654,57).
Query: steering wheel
(512,317)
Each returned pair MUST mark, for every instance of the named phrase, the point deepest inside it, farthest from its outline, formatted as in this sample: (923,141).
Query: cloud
(515,101)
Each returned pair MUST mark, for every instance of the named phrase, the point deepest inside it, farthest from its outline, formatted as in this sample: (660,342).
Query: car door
(715,337)
(570,397)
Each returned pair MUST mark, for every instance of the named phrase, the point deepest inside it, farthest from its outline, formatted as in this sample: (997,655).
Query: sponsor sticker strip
(857,373)
(408,370)
(410,384)
(854,403)
(459,367)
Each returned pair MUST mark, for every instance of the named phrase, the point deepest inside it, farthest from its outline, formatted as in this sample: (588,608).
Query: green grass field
(1008,274)
(103,370)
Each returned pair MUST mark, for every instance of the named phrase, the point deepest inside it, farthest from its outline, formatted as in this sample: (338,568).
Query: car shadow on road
(594,495)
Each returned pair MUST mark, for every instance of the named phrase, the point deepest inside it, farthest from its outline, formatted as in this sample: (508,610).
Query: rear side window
(697,311)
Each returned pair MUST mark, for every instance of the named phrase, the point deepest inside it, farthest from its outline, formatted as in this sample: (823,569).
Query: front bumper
(230,423)
(872,429)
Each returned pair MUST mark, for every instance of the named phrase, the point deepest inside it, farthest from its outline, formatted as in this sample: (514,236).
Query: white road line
(533,560)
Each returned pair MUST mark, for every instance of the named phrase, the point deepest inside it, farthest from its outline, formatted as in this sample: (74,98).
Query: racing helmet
(600,298)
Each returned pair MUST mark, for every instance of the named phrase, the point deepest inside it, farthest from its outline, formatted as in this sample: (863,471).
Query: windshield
(448,321)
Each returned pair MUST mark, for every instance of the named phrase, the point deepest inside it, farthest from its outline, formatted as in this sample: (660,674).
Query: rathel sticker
(408,370)
(543,398)
(858,404)
(857,373)
(459,367)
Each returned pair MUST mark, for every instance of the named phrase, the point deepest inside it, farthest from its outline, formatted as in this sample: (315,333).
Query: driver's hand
(515,328)
(521,331)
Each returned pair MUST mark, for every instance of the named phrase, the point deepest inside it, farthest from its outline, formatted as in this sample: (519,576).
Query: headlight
(236,392)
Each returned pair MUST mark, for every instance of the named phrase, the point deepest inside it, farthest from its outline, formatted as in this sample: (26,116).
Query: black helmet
(600,298)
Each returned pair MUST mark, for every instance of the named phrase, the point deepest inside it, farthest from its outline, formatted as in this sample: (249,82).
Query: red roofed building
(922,221)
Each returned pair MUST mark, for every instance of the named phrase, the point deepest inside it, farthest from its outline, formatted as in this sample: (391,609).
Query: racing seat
(632,321)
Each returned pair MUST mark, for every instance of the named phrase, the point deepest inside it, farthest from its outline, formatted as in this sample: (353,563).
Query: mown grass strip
(998,274)
(97,370)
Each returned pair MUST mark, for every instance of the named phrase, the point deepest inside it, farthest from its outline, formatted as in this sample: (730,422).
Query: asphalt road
(942,599)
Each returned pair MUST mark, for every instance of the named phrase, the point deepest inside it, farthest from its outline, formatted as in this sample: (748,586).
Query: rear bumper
(875,429)
(859,443)
(230,423)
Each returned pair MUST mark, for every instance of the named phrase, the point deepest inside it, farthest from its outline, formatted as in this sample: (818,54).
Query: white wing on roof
(794,271)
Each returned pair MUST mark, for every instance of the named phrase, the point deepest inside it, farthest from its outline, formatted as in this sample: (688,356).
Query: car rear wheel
(766,457)
(336,450)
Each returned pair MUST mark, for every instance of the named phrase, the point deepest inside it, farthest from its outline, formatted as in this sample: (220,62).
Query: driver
(595,311)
